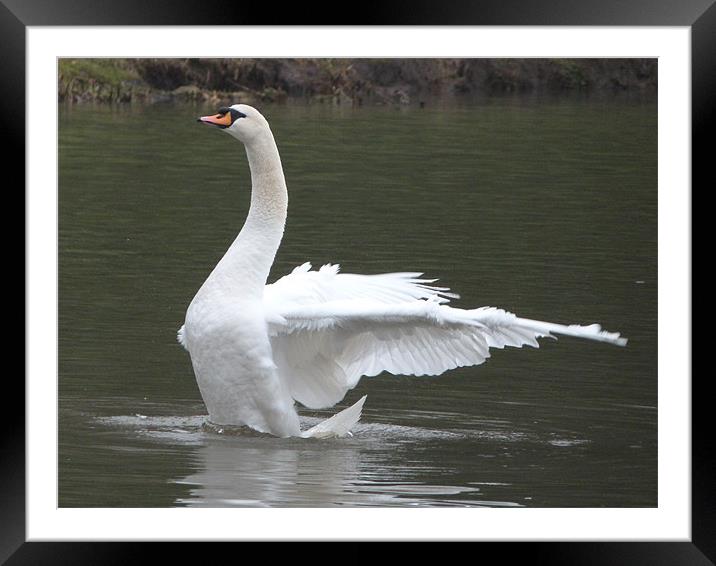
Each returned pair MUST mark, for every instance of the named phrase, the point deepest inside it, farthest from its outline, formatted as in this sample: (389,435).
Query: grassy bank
(342,81)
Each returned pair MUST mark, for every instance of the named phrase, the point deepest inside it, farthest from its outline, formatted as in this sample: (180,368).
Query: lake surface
(544,207)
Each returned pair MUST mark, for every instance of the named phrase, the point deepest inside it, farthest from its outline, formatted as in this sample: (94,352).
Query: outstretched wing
(329,329)
(306,287)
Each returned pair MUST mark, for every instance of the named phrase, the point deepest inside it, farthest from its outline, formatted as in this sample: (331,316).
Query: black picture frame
(16,15)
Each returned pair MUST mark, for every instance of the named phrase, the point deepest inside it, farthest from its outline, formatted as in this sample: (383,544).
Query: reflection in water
(383,464)
(243,468)
(230,474)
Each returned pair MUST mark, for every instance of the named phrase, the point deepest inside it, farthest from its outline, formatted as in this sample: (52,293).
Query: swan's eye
(235,114)
(224,117)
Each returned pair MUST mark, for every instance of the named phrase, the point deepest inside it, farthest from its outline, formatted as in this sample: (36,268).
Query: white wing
(306,287)
(329,329)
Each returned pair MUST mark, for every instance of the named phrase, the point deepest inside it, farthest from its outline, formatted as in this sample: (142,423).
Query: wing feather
(328,329)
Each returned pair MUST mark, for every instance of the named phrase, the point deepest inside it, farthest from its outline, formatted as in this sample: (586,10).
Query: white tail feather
(338,425)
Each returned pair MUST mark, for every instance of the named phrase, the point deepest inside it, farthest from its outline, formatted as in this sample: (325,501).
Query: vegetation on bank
(342,81)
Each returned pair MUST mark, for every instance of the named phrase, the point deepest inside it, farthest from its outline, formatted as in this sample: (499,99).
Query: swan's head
(243,122)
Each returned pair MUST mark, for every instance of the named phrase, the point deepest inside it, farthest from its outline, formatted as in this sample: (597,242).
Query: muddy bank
(343,81)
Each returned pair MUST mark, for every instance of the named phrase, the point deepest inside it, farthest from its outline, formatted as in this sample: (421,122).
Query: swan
(257,348)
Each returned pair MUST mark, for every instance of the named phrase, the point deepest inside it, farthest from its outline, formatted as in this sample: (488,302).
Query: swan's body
(309,337)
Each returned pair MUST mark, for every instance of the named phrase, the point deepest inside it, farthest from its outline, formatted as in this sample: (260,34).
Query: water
(546,208)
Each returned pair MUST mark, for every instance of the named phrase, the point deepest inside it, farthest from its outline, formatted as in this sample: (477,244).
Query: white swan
(311,335)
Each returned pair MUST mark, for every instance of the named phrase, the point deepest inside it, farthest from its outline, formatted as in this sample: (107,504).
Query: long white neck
(245,266)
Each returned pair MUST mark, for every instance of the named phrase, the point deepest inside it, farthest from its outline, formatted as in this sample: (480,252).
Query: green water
(547,208)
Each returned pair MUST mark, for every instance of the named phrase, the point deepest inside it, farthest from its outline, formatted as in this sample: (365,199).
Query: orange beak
(217,119)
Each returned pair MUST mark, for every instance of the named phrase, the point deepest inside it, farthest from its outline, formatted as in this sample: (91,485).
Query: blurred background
(525,184)
(344,81)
